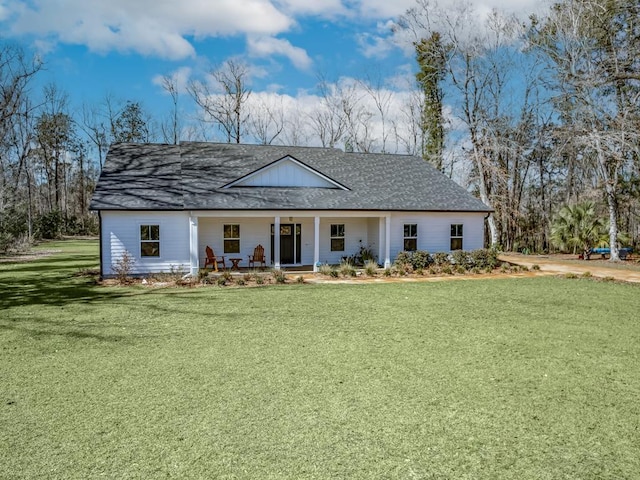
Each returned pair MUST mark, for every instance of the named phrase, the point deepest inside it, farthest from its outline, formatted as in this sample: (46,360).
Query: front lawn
(515,378)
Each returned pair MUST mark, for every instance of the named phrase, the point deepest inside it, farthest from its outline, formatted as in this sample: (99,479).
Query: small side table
(235,263)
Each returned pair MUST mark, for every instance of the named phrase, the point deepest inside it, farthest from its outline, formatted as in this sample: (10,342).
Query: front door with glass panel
(290,243)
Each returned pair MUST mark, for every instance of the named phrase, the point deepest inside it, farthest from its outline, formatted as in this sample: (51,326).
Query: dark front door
(290,243)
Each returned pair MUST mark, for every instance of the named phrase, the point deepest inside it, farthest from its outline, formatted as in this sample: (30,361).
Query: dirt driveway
(627,271)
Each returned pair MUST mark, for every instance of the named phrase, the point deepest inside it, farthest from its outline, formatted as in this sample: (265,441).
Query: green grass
(530,378)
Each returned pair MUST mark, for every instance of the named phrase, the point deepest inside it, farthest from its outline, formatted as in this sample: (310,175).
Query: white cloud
(263,46)
(149,27)
(324,8)
(386,9)
(383,8)
(468,18)
(168,29)
(376,45)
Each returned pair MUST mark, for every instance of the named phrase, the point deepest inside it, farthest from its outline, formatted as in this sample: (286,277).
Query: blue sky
(121,47)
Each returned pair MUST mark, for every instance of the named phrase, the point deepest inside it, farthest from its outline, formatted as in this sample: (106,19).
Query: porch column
(276,243)
(316,243)
(387,243)
(193,246)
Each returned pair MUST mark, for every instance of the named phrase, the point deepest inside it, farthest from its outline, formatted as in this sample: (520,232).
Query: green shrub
(403,258)
(484,257)
(461,259)
(420,259)
(299,279)
(387,272)
(221,281)
(227,276)
(279,276)
(570,275)
(240,281)
(587,274)
(535,266)
(176,274)
(371,268)
(49,225)
(347,269)
(447,269)
(460,269)
(365,255)
(441,258)
(419,271)
(328,270)
(123,267)
(6,241)
(259,279)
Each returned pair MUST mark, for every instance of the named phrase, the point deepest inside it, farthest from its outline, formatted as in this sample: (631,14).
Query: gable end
(287,172)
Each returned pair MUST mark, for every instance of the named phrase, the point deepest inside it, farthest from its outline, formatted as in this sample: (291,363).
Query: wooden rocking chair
(257,257)
(213,260)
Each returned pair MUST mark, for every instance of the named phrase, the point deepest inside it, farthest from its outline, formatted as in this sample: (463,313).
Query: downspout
(484,233)
(100,237)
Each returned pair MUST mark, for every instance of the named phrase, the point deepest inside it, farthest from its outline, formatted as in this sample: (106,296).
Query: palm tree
(577,226)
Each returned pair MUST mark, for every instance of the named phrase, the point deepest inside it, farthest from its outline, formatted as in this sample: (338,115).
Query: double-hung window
(149,240)
(337,237)
(456,236)
(232,238)
(410,237)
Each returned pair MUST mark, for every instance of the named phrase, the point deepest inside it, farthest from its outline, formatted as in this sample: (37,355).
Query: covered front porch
(291,239)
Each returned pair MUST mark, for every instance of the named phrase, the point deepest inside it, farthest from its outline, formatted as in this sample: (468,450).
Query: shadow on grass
(43,266)
(61,330)
(52,280)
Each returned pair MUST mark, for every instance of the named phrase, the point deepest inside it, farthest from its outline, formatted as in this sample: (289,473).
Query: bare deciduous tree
(171,128)
(223,100)
(267,118)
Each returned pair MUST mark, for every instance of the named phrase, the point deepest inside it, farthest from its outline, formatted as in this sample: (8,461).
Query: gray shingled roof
(191,176)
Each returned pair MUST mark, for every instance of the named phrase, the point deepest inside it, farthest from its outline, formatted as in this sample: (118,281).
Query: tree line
(531,117)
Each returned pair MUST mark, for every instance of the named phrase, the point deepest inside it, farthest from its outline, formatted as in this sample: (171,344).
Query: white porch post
(193,246)
(276,243)
(387,243)
(316,243)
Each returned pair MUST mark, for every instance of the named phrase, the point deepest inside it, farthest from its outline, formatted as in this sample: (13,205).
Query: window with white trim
(337,237)
(232,238)
(410,237)
(149,240)
(456,236)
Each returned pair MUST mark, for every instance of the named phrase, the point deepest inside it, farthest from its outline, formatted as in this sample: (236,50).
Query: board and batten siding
(434,230)
(121,232)
(285,173)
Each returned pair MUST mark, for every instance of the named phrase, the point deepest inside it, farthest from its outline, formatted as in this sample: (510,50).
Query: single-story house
(164,204)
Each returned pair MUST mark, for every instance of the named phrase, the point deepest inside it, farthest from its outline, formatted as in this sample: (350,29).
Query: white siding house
(163,204)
